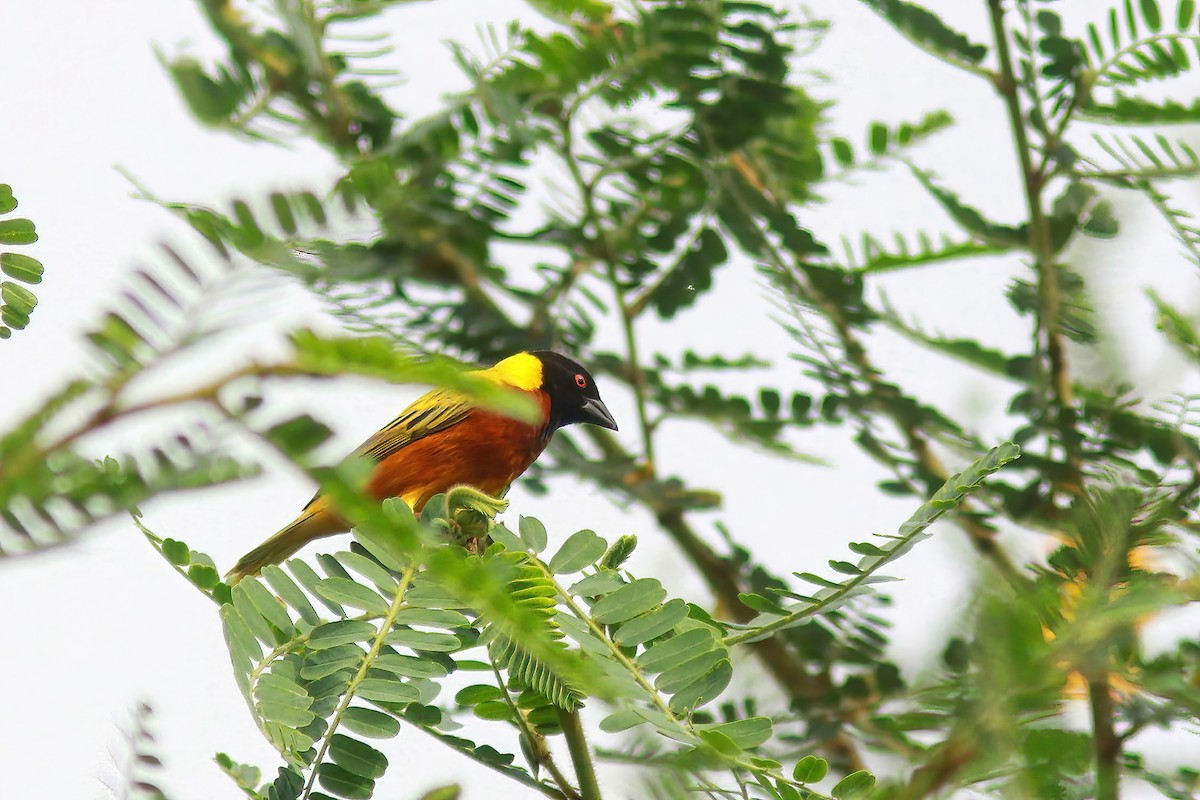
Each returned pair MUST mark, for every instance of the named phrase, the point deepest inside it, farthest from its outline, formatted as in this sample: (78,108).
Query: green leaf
(18,297)
(176,552)
(393,543)
(1152,15)
(856,784)
(493,711)
(443,793)
(332,634)
(21,267)
(387,690)
(843,151)
(283,212)
(878,138)
(581,549)
(653,624)
(433,617)
(344,783)
(255,621)
(901,253)
(348,593)
(290,593)
(927,30)
(509,540)
(720,742)
(677,650)
(369,722)
(323,663)
(282,690)
(621,721)
(691,276)
(298,435)
(833,595)
(971,219)
(431,641)
(8,203)
(629,601)
(598,583)
(1185,11)
(533,534)
(1101,222)
(266,604)
(810,769)
(620,551)
(285,714)
(478,693)
(745,733)
(704,689)
(357,757)
(206,578)
(370,569)
(411,666)
(683,675)
(309,579)
(763,605)
(17,231)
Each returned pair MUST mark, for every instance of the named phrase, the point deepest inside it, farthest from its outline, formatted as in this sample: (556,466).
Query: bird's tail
(314,523)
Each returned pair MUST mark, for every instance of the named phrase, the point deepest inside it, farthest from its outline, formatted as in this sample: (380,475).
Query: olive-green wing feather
(429,413)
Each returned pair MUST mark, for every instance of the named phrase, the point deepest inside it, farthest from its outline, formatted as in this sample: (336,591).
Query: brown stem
(939,770)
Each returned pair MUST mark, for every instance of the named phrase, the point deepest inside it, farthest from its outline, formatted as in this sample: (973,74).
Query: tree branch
(1050,337)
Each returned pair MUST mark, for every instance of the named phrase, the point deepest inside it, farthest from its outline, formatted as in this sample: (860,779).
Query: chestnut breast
(485,450)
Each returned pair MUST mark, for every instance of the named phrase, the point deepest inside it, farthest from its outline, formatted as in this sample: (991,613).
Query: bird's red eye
(581,381)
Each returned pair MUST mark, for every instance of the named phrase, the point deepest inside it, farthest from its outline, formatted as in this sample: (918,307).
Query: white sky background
(93,628)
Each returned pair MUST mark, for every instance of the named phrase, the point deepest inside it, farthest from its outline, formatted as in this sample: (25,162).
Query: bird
(442,440)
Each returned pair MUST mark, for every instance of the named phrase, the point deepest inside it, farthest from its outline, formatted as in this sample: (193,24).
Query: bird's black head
(573,394)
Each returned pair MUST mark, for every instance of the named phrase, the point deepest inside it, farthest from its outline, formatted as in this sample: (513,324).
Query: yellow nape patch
(520,371)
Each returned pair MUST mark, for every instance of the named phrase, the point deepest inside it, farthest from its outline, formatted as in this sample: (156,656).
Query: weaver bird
(442,441)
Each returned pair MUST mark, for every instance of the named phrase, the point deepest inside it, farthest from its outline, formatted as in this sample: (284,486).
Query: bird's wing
(430,413)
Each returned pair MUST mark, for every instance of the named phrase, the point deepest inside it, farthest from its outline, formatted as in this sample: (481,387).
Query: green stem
(1106,744)
(639,377)
(1050,336)
(581,755)
(1155,174)
(521,776)
(156,542)
(537,743)
(388,621)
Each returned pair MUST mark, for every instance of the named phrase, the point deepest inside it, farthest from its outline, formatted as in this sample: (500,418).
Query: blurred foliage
(611,174)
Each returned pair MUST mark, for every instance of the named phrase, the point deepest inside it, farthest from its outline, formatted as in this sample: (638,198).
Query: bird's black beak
(596,413)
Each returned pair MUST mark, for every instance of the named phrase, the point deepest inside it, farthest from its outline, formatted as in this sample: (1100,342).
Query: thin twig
(1051,339)
(592,219)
